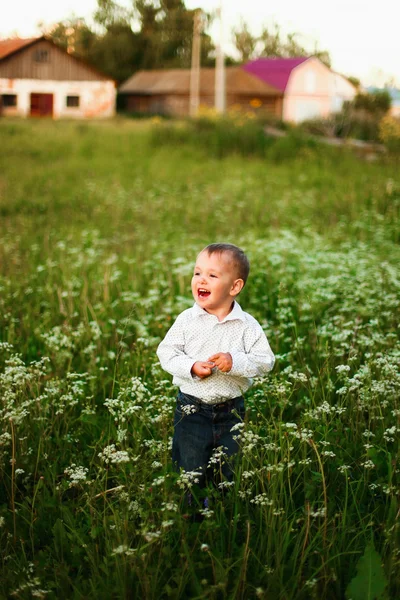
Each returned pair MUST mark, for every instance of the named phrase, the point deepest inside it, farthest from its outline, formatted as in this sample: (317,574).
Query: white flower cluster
(318,513)
(77,475)
(189,409)
(342,369)
(344,468)
(390,432)
(158,481)
(129,401)
(188,478)
(123,549)
(111,455)
(262,500)
(226,485)
(301,434)
(169,506)
(206,512)
(218,456)
(248,440)
(368,464)
(324,409)
(151,536)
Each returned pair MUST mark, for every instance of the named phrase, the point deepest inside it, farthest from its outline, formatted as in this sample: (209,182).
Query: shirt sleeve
(257,360)
(171,351)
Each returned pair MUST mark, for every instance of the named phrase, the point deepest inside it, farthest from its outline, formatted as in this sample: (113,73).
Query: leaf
(61,542)
(370,581)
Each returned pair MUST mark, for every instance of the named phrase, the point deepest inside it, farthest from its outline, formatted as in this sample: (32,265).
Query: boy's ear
(237,287)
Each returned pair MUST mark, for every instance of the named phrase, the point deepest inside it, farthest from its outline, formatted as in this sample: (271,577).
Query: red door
(41,105)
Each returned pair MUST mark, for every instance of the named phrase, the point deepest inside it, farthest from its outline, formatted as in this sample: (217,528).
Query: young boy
(213,350)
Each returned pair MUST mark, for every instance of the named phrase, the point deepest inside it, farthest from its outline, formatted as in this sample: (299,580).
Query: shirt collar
(235,314)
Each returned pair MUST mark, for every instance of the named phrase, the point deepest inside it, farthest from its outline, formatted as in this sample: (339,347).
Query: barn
(40,79)
(167,92)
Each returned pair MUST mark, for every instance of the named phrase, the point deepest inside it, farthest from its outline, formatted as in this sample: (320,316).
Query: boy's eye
(213,276)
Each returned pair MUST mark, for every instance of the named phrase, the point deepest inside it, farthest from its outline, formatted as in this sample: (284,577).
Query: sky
(362,36)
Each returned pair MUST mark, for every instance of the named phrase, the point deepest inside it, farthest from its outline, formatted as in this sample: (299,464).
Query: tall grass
(99,231)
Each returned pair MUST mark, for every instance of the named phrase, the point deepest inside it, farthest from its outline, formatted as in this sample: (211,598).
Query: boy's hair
(237,255)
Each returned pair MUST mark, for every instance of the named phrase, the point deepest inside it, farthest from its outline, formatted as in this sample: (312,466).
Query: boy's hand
(222,360)
(202,369)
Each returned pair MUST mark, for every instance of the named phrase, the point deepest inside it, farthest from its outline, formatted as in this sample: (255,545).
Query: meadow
(100,225)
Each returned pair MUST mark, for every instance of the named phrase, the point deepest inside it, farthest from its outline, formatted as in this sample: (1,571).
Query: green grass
(100,226)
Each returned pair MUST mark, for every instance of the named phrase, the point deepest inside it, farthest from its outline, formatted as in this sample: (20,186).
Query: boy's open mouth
(203,293)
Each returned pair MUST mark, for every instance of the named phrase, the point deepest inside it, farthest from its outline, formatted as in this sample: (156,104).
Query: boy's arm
(256,362)
(171,352)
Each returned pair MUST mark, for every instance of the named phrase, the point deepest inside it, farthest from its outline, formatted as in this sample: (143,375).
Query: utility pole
(194,101)
(220,69)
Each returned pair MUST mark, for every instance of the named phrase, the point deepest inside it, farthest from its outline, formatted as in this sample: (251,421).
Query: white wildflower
(111,455)
(77,474)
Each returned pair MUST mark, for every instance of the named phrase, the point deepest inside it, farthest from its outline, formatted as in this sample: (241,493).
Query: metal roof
(177,81)
(275,71)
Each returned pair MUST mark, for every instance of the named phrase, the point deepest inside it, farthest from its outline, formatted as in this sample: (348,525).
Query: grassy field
(100,226)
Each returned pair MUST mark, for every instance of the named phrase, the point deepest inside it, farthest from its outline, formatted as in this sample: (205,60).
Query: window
(9,100)
(72,101)
(41,56)
(310,82)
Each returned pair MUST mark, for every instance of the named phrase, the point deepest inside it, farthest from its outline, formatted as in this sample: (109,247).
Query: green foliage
(164,39)
(370,581)
(244,41)
(349,123)
(378,101)
(239,134)
(359,119)
(389,133)
(272,44)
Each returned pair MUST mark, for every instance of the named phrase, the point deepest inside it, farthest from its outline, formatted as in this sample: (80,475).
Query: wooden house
(168,92)
(309,88)
(38,78)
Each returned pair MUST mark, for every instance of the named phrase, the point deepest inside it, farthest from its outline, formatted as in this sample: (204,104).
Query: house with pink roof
(310,89)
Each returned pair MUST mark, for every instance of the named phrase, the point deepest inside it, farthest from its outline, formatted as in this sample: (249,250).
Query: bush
(290,147)
(242,135)
(220,136)
(359,124)
(389,133)
(378,101)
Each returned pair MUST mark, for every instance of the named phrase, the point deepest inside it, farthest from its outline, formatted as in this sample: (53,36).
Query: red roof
(275,71)
(11,45)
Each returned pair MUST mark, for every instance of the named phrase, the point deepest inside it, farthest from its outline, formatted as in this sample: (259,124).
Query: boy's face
(215,282)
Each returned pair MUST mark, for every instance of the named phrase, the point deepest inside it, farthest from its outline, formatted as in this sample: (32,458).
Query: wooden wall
(28,63)
(178,104)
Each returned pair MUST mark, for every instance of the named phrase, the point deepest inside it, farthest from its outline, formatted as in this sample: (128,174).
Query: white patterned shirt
(196,335)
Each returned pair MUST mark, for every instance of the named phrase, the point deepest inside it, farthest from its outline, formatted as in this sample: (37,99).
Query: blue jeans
(201,428)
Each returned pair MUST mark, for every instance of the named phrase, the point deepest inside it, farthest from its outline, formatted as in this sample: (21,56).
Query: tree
(245,41)
(116,51)
(164,35)
(110,13)
(166,27)
(355,81)
(72,34)
(272,44)
(378,101)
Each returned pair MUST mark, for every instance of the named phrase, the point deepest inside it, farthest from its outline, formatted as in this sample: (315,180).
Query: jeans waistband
(222,404)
